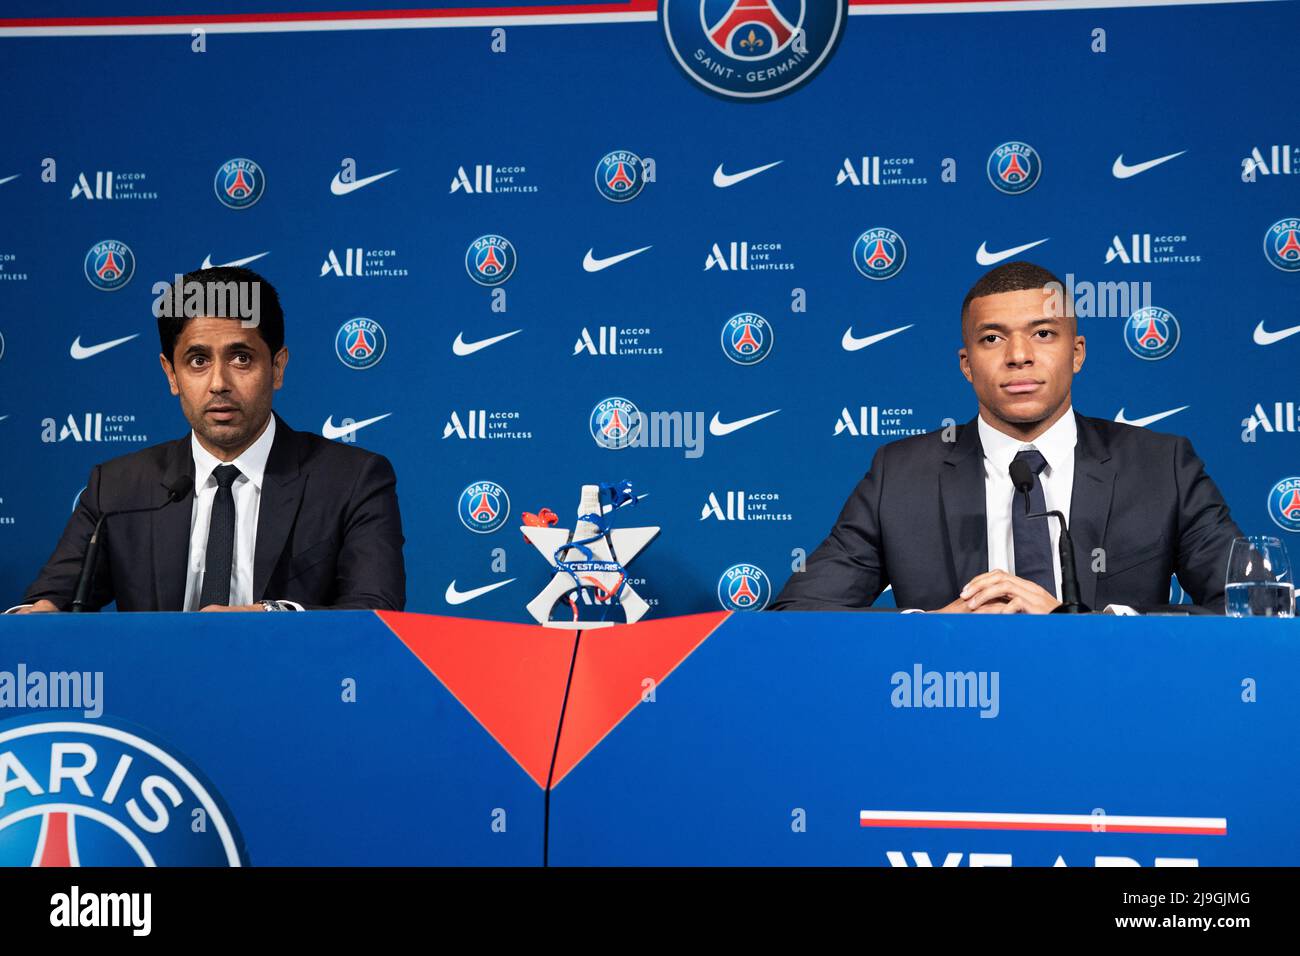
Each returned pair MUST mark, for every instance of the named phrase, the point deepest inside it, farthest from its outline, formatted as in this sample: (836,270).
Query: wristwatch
(274,606)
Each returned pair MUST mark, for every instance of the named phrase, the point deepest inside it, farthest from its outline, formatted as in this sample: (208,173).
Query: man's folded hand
(40,607)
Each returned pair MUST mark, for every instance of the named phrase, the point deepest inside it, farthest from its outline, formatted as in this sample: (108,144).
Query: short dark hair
(270,316)
(1014,277)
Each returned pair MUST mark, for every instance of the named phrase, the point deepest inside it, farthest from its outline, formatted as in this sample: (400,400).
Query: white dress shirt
(247,491)
(1056,445)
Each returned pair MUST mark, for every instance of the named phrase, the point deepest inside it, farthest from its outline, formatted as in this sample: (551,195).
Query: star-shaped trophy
(591,561)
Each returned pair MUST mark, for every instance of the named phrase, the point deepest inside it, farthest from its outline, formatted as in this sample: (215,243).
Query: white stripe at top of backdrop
(633,11)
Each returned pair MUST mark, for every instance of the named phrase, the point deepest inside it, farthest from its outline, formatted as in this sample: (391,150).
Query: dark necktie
(221,539)
(1031,537)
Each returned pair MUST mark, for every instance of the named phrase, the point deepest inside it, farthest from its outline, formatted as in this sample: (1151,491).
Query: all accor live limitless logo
(91,427)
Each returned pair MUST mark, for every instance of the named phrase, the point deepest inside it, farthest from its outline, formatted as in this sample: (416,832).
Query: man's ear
(963,361)
(278,363)
(170,373)
(1080,352)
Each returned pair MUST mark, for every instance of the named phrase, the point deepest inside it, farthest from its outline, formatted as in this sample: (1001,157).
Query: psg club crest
(752,49)
(360,343)
(747,338)
(879,253)
(744,587)
(1284,504)
(1282,245)
(239,183)
(484,507)
(590,561)
(1014,168)
(615,423)
(77,792)
(109,265)
(619,176)
(490,260)
(1151,333)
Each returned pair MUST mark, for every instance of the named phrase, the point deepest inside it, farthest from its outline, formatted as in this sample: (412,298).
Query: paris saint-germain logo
(619,176)
(1151,333)
(752,49)
(360,343)
(615,423)
(1284,504)
(747,338)
(1014,168)
(1282,244)
(744,587)
(879,253)
(109,265)
(239,183)
(484,507)
(101,792)
(490,260)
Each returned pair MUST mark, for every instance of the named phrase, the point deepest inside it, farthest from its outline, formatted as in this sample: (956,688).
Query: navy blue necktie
(221,540)
(1031,538)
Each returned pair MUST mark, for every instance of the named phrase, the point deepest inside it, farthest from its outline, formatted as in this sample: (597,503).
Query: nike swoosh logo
(852,344)
(461,347)
(723,180)
(207,261)
(1264,337)
(340,188)
(1122,170)
(8,178)
(720,428)
(79,351)
(460,597)
(592,264)
(332,431)
(986,258)
(1143,422)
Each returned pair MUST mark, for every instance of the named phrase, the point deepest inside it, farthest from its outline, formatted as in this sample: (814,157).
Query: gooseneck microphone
(1022,476)
(176,491)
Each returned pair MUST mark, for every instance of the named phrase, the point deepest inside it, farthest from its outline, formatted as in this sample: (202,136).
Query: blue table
(360,738)
(255,704)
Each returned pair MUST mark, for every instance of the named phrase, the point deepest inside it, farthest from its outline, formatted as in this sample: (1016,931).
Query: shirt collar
(251,464)
(1056,444)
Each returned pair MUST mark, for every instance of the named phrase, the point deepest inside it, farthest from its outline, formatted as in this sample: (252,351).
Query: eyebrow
(201,349)
(998,327)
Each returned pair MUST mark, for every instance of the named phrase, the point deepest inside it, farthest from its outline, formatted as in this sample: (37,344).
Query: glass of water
(1260,582)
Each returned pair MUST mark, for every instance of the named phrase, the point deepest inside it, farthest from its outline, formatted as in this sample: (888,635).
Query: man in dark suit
(277,519)
(939,519)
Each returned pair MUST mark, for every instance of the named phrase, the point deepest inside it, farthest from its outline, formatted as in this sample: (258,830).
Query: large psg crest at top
(752,49)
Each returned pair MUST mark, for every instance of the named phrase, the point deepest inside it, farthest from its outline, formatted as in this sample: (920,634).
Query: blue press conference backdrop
(921,98)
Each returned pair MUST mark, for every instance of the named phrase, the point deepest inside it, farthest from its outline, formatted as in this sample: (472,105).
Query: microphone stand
(81,600)
(1070,603)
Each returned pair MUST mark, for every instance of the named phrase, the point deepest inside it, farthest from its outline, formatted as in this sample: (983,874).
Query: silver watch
(274,606)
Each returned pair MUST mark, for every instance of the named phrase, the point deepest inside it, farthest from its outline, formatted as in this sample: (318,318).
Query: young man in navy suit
(939,519)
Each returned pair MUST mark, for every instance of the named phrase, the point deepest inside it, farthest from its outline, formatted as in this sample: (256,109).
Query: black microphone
(1023,478)
(176,491)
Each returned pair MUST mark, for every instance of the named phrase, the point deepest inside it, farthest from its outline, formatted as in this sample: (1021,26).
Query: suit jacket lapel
(1094,483)
(281,493)
(961,485)
(171,531)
